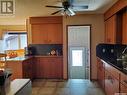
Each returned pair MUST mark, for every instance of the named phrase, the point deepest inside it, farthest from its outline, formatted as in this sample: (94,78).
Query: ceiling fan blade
(56,12)
(54,6)
(71,13)
(79,7)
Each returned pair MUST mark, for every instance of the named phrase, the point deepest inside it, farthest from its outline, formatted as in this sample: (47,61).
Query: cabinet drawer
(123,89)
(123,79)
(112,70)
(111,84)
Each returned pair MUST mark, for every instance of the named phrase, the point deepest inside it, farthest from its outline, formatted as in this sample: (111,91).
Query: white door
(78,52)
(77,63)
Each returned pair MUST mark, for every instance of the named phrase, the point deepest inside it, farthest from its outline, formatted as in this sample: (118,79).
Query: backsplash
(110,52)
(45,49)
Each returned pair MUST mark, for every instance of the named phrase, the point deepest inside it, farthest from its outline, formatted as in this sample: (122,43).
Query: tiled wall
(109,51)
(45,49)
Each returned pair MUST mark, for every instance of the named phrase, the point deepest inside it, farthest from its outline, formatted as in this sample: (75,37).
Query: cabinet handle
(125,81)
(111,79)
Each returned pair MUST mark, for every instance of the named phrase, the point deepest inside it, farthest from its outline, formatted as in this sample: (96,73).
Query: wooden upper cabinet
(110,30)
(39,34)
(124,27)
(120,4)
(54,33)
(45,30)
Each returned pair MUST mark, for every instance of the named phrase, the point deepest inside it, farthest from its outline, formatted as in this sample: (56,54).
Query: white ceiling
(28,8)
(98,6)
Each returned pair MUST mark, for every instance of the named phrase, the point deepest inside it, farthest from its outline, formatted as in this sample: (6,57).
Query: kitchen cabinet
(123,83)
(112,78)
(49,67)
(45,30)
(116,23)
(110,30)
(124,27)
(100,73)
(111,84)
(47,34)
(21,68)
(115,81)
(28,68)
(16,68)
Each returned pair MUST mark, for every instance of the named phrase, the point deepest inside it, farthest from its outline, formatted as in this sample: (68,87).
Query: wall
(97,36)
(4,28)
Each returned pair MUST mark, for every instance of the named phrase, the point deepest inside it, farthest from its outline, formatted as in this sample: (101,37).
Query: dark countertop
(27,57)
(19,58)
(115,65)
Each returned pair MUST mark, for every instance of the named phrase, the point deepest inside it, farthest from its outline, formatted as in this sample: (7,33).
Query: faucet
(123,55)
(124,50)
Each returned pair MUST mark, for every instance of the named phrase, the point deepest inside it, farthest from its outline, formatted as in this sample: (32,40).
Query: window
(77,56)
(15,41)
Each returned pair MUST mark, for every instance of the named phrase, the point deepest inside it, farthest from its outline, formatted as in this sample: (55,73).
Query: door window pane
(77,58)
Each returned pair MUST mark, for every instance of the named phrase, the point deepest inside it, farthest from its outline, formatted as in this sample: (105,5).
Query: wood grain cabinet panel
(49,67)
(100,73)
(110,30)
(21,69)
(16,67)
(39,34)
(124,27)
(111,84)
(123,83)
(123,89)
(54,33)
(28,68)
(45,32)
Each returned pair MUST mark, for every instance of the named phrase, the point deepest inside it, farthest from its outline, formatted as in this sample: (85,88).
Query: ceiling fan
(68,7)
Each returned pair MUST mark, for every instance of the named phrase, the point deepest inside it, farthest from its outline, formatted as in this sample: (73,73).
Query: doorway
(79,52)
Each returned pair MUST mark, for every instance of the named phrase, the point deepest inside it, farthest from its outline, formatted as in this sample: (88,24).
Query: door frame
(90,71)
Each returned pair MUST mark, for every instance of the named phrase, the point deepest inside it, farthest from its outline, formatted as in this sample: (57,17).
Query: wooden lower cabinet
(123,89)
(27,68)
(16,68)
(49,67)
(111,84)
(123,83)
(21,69)
(100,73)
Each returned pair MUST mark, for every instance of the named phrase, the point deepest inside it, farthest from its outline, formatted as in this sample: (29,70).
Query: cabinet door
(46,69)
(123,88)
(123,83)
(38,67)
(27,69)
(110,30)
(39,33)
(56,67)
(16,67)
(100,73)
(49,67)
(124,28)
(111,84)
(46,33)
(54,33)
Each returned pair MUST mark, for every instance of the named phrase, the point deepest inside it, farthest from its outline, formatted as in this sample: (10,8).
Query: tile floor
(65,87)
